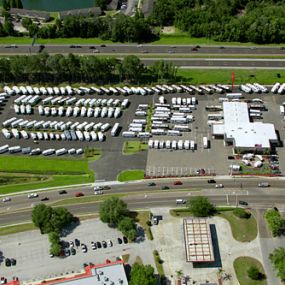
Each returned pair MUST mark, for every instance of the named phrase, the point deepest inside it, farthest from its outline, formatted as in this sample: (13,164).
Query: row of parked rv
(158,89)
(174,145)
(96,112)
(278,88)
(66,135)
(37,151)
(61,125)
(253,88)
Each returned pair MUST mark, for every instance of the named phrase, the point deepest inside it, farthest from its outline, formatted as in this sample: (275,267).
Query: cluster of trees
(7,4)
(254,273)
(223,20)
(142,275)
(117,29)
(52,221)
(277,258)
(275,222)
(44,68)
(115,212)
(200,206)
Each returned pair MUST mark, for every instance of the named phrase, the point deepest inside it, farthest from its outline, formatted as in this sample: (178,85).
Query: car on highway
(33,195)
(165,187)
(96,188)
(6,199)
(220,185)
(263,184)
(151,184)
(243,203)
(178,182)
(211,181)
(75,46)
(11,46)
(45,199)
(96,51)
(98,192)
(92,47)
(79,194)
(102,45)
(194,49)
(61,192)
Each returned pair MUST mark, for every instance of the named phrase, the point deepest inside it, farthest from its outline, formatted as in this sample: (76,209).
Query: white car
(99,192)
(109,243)
(6,199)
(33,195)
(219,186)
(96,188)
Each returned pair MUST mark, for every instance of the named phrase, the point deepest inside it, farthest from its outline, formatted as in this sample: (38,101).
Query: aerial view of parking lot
(142,142)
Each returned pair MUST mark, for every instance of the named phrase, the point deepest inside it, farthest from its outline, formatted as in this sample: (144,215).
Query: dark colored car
(98,244)
(197,46)
(102,45)
(231,157)
(79,194)
(125,240)
(211,181)
(104,244)
(178,183)
(164,188)
(8,262)
(45,199)
(92,47)
(77,242)
(194,49)
(120,241)
(62,192)
(243,203)
(73,251)
(151,184)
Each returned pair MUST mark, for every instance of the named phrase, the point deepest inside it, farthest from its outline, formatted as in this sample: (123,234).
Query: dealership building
(238,131)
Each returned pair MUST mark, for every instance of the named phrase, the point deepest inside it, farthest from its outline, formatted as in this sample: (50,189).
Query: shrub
(254,274)
(241,213)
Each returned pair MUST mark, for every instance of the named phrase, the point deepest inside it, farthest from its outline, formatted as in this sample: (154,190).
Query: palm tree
(179,273)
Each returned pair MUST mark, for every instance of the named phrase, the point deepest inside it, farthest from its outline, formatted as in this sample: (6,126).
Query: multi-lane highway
(144,196)
(114,49)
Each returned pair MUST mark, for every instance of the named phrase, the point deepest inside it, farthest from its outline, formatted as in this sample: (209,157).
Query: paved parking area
(169,241)
(31,250)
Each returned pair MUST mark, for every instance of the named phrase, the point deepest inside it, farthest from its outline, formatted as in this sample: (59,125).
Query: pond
(57,5)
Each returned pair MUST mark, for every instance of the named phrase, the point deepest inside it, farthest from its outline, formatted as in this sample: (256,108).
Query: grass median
(29,173)
(133,147)
(129,175)
(242,264)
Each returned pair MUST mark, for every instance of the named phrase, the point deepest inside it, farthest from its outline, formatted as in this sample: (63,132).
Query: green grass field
(8,230)
(132,147)
(129,175)
(211,76)
(243,230)
(29,173)
(242,264)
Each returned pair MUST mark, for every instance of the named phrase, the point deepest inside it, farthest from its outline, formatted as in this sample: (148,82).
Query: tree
(254,273)
(55,249)
(241,213)
(53,237)
(275,222)
(102,3)
(277,258)
(6,4)
(128,227)
(142,275)
(200,206)
(9,27)
(132,68)
(112,211)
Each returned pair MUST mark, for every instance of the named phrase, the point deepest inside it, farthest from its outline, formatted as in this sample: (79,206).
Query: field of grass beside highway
(131,174)
(211,76)
(29,173)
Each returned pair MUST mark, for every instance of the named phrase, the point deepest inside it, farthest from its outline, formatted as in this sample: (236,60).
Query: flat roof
(198,240)
(237,127)
(107,274)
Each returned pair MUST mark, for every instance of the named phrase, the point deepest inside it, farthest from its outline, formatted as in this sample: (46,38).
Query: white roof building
(238,129)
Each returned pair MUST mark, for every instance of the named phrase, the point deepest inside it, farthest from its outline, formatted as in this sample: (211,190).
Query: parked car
(73,251)
(151,184)
(62,192)
(71,244)
(243,203)
(220,185)
(6,199)
(263,184)
(79,194)
(104,244)
(211,181)
(93,245)
(8,262)
(109,243)
(98,244)
(83,248)
(178,182)
(125,239)
(33,195)
(77,242)
(119,240)
(67,252)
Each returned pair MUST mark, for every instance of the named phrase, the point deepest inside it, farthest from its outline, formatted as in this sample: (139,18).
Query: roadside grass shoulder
(242,264)
(132,174)
(13,229)
(212,76)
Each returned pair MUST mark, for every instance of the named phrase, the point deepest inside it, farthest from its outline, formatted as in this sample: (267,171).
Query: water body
(57,5)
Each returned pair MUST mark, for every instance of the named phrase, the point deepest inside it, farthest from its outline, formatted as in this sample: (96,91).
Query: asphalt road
(167,199)
(142,49)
